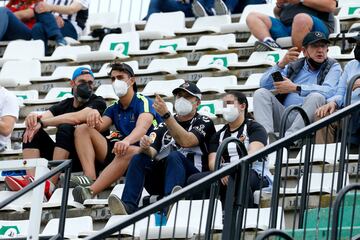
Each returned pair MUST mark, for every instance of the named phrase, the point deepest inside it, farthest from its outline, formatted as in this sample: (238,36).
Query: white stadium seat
(23,50)
(160,87)
(215,84)
(205,25)
(10,76)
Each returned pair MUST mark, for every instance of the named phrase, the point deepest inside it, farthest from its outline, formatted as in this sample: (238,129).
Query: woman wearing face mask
(254,137)
(133,117)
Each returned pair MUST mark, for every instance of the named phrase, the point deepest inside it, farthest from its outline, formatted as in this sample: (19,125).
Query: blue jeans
(157,178)
(237,6)
(47,28)
(278,29)
(11,28)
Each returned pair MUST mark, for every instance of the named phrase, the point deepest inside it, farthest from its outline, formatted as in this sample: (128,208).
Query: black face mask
(357,52)
(313,63)
(83,92)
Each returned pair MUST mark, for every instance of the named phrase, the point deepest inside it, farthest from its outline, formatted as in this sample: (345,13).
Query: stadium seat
(11,229)
(330,153)
(106,91)
(26,94)
(335,52)
(241,26)
(215,84)
(23,50)
(179,217)
(255,218)
(100,20)
(215,62)
(206,25)
(66,53)
(342,3)
(163,46)
(249,43)
(73,226)
(10,76)
(268,58)
(161,87)
(18,204)
(349,12)
(53,96)
(60,73)
(119,188)
(160,25)
(210,42)
(251,84)
(251,104)
(211,108)
(103,72)
(163,66)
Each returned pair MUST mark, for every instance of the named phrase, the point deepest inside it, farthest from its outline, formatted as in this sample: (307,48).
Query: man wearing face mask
(351,69)
(254,137)
(63,115)
(179,147)
(306,82)
(133,117)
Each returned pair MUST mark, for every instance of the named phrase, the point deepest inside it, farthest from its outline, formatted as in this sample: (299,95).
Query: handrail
(349,89)
(337,203)
(273,232)
(224,171)
(63,165)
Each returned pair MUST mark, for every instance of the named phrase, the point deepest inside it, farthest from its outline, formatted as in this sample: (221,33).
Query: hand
(356,84)
(30,133)
(145,142)
(94,119)
(326,109)
(225,180)
(159,105)
(285,86)
(42,7)
(60,21)
(291,55)
(31,120)
(121,147)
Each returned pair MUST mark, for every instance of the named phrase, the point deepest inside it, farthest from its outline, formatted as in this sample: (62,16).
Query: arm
(143,124)
(181,136)
(73,118)
(328,88)
(7,124)
(42,7)
(211,160)
(145,147)
(255,146)
(24,15)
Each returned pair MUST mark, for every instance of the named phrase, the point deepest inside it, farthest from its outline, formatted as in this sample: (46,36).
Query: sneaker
(174,190)
(16,184)
(61,42)
(117,206)
(198,9)
(80,194)
(273,137)
(83,181)
(268,45)
(220,7)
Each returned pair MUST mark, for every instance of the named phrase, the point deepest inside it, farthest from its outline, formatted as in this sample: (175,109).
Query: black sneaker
(220,7)
(80,194)
(268,45)
(83,181)
(117,206)
(198,9)
(272,137)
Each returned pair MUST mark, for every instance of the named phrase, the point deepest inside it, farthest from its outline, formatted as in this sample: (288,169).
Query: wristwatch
(166,115)
(298,89)
(301,1)
(41,123)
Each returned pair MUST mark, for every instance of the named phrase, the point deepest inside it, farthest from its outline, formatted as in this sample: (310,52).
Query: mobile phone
(277,77)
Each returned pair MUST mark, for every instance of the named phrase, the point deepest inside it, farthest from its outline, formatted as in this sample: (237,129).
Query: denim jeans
(11,28)
(158,178)
(237,6)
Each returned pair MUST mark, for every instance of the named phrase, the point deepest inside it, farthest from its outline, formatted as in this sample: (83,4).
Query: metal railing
(63,165)
(272,233)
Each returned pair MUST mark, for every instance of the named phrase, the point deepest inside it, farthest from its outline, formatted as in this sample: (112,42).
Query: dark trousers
(11,28)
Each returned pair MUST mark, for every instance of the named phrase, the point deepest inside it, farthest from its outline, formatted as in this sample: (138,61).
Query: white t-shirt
(77,19)
(8,107)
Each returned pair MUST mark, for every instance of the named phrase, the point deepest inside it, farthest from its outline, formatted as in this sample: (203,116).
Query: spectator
(133,117)
(351,69)
(250,133)
(16,20)
(294,18)
(9,112)
(307,82)
(178,147)
(64,115)
(70,20)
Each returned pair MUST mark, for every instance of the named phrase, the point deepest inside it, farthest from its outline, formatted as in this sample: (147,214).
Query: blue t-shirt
(125,119)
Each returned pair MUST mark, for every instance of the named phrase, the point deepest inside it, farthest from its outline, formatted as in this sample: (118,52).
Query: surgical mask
(83,92)
(313,63)
(183,106)
(230,113)
(357,52)
(120,87)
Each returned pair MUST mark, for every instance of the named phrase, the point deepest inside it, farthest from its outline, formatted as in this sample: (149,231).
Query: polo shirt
(125,120)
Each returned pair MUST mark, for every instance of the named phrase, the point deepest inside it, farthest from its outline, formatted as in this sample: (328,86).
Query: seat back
(122,43)
(166,22)
(22,49)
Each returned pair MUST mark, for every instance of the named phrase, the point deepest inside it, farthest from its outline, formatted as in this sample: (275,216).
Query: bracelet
(166,115)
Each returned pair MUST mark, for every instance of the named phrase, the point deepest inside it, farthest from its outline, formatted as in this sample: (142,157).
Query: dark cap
(81,71)
(355,39)
(190,88)
(314,37)
(122,67)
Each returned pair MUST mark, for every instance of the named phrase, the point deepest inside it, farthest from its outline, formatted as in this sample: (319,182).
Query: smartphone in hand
(277,77)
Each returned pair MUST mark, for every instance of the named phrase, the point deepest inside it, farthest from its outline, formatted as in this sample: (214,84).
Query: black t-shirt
(253,132)
(66,105)
(201,126)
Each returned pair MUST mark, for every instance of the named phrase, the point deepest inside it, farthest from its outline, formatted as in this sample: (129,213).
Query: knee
(254,17)
(4,10)
(81,130)
(316,98)
(261,93)
(139,160)
(301,20)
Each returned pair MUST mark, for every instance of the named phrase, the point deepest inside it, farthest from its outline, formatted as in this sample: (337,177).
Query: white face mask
(120,87)
(230,113)
(183,106)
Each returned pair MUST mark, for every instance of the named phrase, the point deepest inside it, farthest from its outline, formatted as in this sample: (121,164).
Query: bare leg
(301,26)
(31,153)
(259,25)
(90,146)
(114,170)
(59,154)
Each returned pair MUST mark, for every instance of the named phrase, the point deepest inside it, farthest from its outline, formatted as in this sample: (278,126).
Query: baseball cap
(122,67)
(313,37)
(190,88)
(81,71)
